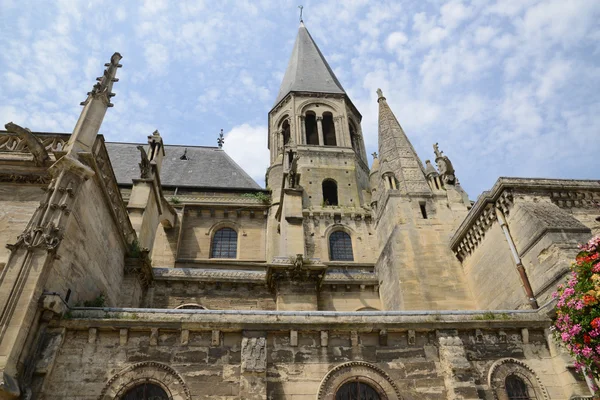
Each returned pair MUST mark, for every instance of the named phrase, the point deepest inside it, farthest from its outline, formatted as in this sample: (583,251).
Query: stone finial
(221,140)
(104,85)
(374,154)
(380,94)
(437,151)
(429,169)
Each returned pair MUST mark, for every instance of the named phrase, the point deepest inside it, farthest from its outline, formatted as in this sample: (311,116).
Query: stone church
(152,271)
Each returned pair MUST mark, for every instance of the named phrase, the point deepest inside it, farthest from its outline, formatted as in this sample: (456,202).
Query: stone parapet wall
(287,356)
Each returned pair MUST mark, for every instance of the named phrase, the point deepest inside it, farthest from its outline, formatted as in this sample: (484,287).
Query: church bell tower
(318,173)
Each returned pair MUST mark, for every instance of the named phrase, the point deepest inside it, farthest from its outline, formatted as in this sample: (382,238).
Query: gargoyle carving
(34,144)
(145,169)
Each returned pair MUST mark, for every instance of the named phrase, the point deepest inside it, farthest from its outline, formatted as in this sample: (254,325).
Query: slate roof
(206,167)
(308,70)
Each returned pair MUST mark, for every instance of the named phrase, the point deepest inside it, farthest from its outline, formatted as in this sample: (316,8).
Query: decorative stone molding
(210,275)
(504,367)
(157,373)
(562,192)
(362,372)
(11,142)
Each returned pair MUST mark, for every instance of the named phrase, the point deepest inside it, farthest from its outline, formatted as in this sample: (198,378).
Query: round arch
(223,224)
(156,373)
(190,306)
(281,119)
(362,372)
(310,103)
(503,368)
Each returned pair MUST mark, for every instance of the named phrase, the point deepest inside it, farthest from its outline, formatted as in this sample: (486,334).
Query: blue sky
(507,88)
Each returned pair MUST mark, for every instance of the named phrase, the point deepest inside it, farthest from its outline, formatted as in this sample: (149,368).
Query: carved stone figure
(145,169)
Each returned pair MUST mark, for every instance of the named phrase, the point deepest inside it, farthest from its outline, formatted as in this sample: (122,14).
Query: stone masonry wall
(98,269)
(299,365)
(416,269)
(213,296)
(17,205)
(198,226)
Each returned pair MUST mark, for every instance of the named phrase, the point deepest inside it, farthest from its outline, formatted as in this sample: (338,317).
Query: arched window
(190,306)
(340,247)
(356,390)
(224,244)
(330,195)
(310,125)
(285,131)
(328,129)
(146,391)
(516,389)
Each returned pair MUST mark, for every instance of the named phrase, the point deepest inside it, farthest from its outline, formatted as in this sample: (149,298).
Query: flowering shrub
(577,322)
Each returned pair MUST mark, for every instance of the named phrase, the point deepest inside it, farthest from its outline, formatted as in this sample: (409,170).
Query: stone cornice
(482,214)
(362,321)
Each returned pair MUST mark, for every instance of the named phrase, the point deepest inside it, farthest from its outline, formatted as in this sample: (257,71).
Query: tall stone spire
(308,71)
(398,153)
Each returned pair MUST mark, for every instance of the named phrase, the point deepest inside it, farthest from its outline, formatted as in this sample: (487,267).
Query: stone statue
(444,165)
(293,171)
(144,164)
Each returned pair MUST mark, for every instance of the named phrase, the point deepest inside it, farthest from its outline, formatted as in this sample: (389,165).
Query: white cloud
(395,40)
(247,145)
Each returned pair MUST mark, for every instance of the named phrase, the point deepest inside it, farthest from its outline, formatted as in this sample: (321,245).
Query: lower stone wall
(103,363)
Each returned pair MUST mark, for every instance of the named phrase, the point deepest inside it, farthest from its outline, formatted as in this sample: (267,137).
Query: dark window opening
(224,244)
(340,247)
(354,138)
(285,128)
(423,210)
(146,391)
(328,130)
(516,389)
(356,390)
(310,124)
(330,196)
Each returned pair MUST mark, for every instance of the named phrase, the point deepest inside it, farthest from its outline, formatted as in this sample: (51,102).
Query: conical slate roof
(308,70)
(396,149)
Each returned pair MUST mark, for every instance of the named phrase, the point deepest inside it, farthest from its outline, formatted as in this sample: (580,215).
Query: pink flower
(586,352)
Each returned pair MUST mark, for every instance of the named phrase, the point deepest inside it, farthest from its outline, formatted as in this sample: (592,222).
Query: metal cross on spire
(301,7)
(221,139)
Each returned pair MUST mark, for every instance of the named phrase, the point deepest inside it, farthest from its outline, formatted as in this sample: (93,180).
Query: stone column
(320,130)
(339,137)
(253,370)
(303,133)
(455,367)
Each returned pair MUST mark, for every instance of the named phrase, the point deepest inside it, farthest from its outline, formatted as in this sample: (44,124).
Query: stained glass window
(356,391)
(340,247)
(224,244)
(146,391)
